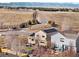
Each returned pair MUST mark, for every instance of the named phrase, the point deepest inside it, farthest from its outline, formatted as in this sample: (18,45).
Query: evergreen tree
(23,25)
(54,25)
(49,22)
(29,22)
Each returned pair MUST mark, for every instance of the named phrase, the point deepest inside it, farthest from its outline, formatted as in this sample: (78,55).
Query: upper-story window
(43,36)
(61,39)
(41,42)
(32,39)
(37,35)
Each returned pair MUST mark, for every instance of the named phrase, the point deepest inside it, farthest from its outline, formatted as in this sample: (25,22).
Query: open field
(8,17)
(64,19)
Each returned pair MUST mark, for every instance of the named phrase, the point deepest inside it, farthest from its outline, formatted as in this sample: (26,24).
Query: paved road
(15,32)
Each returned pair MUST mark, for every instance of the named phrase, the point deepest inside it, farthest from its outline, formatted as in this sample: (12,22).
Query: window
(41,42)
(43,36)
(66,47)
(55,47)
(63,48)
(32,39)
(29,38)
(37,35)
(62,39)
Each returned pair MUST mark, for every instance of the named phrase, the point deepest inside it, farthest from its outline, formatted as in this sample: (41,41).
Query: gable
(58,37)
(41,32)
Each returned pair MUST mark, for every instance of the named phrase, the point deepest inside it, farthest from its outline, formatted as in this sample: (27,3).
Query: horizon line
(41,2)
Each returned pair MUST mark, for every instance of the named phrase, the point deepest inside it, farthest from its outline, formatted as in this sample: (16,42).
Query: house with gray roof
(44,36)
(52,38)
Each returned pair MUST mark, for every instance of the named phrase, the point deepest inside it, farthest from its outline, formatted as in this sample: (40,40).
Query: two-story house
(52,38)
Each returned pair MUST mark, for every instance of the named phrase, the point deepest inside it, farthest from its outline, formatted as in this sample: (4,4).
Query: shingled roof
(50,30)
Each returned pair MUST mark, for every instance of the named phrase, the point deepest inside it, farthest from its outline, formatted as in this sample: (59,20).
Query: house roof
(50,30)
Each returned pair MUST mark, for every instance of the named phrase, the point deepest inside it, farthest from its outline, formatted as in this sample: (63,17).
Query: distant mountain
(39,4)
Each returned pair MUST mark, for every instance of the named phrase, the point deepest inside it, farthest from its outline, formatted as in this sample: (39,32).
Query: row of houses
(52,38)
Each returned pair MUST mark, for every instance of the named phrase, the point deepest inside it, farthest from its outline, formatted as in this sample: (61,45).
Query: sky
(60,1)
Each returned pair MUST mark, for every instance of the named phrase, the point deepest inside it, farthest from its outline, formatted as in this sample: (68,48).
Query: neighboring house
(52,38)
(31,39)
(44,36)
(41,38)
(62,42)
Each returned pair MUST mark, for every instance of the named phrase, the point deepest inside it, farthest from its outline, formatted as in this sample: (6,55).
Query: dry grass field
(64,19)
(12,17)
